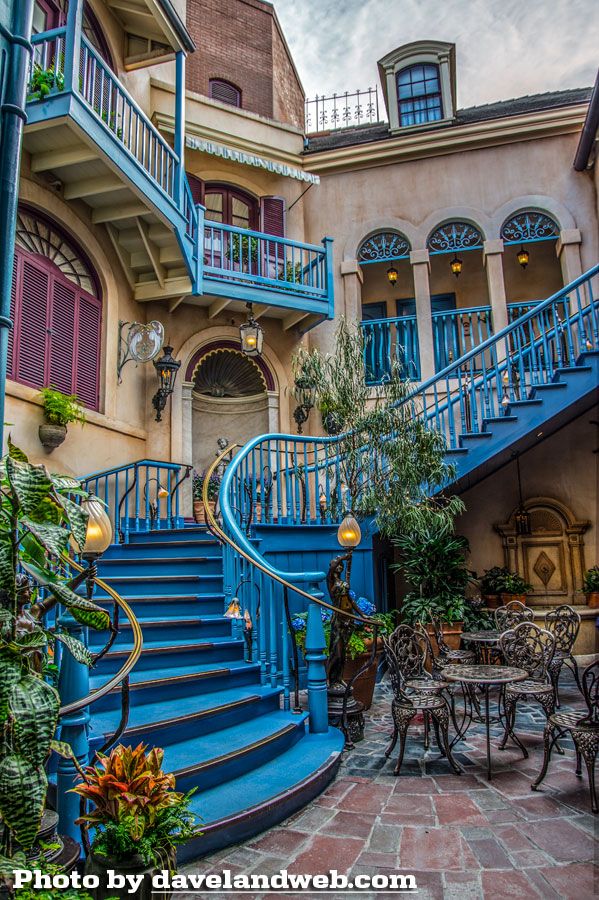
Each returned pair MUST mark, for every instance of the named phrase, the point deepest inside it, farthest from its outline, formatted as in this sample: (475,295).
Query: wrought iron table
(486,644)
(484,676)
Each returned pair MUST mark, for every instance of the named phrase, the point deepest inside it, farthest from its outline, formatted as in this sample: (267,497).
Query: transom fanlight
(228,373)
(39,236)
(382,246)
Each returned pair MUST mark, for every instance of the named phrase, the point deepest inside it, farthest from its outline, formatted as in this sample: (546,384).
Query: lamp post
(345,711)
(305,394)
(73,682)
(167,369)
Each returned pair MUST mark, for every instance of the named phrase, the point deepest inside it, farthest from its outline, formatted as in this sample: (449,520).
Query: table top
(491,636)
(484,674)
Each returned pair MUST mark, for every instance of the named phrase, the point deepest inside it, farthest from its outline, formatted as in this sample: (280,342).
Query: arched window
(231,206)
(528,226)
(48,14)
(56,309)
(454,236)
(419,95)
(224,92)
(384,246)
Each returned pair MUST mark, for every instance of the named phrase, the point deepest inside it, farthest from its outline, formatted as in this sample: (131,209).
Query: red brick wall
(238,41)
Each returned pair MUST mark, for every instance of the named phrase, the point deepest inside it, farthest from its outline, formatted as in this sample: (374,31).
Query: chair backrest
(437,626)
(590,692)
(405,654)
(564,624)
(528,647)
(512,614)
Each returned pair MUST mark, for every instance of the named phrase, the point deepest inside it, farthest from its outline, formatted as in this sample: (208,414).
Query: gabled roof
(364,134)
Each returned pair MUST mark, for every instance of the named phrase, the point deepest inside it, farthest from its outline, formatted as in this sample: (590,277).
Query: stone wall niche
(551,557)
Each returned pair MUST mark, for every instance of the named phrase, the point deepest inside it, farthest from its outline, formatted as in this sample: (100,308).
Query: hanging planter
(59,411)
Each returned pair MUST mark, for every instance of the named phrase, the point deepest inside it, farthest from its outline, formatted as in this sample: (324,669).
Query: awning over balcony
(250,159)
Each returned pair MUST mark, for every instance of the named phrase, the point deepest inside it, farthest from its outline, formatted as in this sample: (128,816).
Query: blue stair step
(159,585)
(189,533)
(150,549)
(174,605)
(158,653)
(235,810)
(159,565)
(164,722)
(198,628)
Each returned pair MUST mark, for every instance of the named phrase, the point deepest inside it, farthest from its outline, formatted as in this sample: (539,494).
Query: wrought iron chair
(584,731)
(446,656)
(531,648)
(564,624)
(512,614)
(414,691)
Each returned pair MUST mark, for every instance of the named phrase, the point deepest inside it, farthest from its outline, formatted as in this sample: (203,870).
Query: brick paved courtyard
(463,837)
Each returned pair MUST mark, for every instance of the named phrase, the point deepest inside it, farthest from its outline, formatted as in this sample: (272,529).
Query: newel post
(317,678)
(73,684)
(72,46)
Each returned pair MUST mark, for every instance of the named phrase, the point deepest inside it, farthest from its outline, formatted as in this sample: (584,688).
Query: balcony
(289,279)
(87,132)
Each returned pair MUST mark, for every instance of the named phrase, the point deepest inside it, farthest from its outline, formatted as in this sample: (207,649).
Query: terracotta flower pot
(364,685)
(199,513)
(98,865)
(593,599)
(492,601)
(452,634)
(507,598)
(52,436)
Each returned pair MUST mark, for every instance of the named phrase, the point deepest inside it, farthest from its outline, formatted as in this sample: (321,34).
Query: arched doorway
(232,398)
(531,269)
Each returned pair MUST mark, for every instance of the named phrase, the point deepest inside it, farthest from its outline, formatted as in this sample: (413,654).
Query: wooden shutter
(33,331)
(225,92)
(272,215)
(197,188)
(87,362)
(14,293)
(62,332)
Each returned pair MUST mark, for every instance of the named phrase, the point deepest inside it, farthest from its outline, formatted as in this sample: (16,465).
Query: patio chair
(512,614)
(584,731)
(414,691)
(531,648)
(564,624)
(446,656)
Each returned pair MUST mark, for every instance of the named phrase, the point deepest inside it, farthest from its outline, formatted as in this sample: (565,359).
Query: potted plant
(138,818)
(433,562)
(59,410)
(242,250)
(39,517)
(359,645)
(44,81)
(514,587)
(591,586)
(291,273)
(491,585)
(199,513)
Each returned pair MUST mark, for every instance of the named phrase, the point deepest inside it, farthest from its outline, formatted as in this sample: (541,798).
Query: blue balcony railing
(389,341)
(257,267)
(102,94)
(458,331)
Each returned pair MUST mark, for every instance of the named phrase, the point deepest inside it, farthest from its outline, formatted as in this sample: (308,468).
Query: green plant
(137,810)
(43,81)
(29,892)
(242,248)
(198,485)
(433,562)
(61,409)
(360,638)
(290,272)
(492,581)
(591,580)
(38,516)
(515,584)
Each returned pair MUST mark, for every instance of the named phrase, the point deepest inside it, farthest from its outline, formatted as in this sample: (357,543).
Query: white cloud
(505,48)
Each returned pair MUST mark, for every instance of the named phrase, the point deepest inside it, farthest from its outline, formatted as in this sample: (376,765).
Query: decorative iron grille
(455,236)
(529,226)
(342,110)
(384,246)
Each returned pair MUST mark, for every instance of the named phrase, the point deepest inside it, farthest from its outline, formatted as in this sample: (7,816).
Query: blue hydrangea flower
(298,624)
(325,614)
(366,607)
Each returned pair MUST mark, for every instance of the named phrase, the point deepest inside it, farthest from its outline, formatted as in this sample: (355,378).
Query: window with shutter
(14,290)
(57,312)
(224,92)
(273,216)
(196,186)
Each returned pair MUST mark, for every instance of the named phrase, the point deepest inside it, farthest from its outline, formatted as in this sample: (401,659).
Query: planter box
(507,598)
(593,599)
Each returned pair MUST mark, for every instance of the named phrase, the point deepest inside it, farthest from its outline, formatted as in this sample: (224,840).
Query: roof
(589,131)
(365,134)
(177,25)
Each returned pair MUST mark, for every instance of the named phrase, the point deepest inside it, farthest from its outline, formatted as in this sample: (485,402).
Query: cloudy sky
(505,48)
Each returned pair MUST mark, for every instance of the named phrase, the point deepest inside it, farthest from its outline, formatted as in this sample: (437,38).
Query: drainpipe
(12,119)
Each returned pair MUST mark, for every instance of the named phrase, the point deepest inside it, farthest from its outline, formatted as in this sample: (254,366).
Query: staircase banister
(500,335)
(132,465)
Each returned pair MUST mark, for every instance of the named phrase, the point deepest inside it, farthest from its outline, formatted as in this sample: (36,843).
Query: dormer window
(419,95)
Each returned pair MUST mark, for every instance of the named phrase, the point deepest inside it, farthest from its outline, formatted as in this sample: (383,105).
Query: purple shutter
(272,215)
(33,331)
(87,362)
(61,355)
(197,188)
(15,290)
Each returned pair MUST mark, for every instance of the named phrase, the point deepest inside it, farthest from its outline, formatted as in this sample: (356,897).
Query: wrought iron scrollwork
(529,226)
(384,247)
(454,236)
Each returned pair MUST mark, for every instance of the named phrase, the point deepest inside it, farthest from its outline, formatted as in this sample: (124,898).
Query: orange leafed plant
(128,787)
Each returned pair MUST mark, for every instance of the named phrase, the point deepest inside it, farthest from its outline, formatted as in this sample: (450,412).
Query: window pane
(40,19)
(240,213)
(214,207)
(419,95)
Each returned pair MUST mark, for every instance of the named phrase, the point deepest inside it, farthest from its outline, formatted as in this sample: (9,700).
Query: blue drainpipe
(12,119)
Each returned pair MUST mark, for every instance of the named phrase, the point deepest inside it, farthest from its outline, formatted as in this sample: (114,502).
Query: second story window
(419,95)
(230,206)
(224,92)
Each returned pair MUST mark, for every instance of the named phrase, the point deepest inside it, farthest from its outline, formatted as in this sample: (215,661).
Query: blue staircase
(192,692)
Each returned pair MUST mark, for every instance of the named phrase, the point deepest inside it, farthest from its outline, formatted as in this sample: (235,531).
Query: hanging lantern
(233,609)
(521,516)
(251,335)
(305,394)
(167,369)
(392,275)
(456,266)
(523,256)
(349,534)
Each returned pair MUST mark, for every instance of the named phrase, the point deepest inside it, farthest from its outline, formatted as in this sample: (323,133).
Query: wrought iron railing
(389,342)
(457,331)
(344,110)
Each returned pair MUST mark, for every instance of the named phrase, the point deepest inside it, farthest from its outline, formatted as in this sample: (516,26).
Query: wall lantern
(523,256)
(521,516)
(349,534)
(167,369)
(305,394)
(456,266)
(392,275)
(251,335)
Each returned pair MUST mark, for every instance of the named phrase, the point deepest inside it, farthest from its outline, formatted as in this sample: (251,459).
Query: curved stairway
(193,693)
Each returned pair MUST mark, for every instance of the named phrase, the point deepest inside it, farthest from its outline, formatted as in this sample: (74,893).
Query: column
(353,279)
(180,125)
(493,261)
(446,92)
(419,260)
(568,252)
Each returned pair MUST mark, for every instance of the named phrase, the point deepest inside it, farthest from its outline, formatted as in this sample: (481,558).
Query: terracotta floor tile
(577,882)
(436,849)
(561,840)
(458,808)
(323,853)
(505,885)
